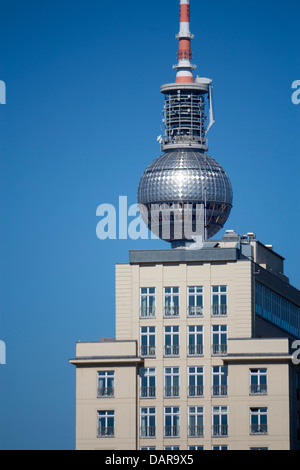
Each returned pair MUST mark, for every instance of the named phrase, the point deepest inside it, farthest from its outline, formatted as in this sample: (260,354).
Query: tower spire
(184,66)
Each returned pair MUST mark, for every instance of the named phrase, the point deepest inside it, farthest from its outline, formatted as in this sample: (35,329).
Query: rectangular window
(148,341)
(258,381)
(148,422)
(147,382)
(219,301)
(258,420)
(195,301)
(219,421)
(147,302)
(171,379)
(172,421)
(219,381)
(196,421)
(195,340)
(195,382)
(171,301)
(171,341)
(196,448)
(106,423)
(106,384)
(219,340)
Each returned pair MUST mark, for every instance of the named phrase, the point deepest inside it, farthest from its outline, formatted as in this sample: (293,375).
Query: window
(148,426)
(196,420)
(172,448)
(195,382)
(195,301)
(195,340)
(148,448)
(219,340)
(172,420)
(106,423)
(258,421)
(106,381)
(219,447)
(148,341)
(147,382)
(258,381)
(277,310)
(171,301)
(219,381)
(196,448)
(219,300)
(171,347)
(171,389)
(147,302)
(219,421)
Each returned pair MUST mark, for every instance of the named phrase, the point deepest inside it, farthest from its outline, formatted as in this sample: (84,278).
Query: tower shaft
(184,66)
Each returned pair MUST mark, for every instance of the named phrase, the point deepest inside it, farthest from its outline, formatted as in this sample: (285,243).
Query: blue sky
(79,128)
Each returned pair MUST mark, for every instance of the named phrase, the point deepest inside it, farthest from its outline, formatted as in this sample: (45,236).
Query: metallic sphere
(183,179)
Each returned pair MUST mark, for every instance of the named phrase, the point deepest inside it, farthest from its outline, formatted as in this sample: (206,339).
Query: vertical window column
(219,301)
(219,340)
(147,382)
(172,421)
(147,302)
(171,379)
(195,301)
(147,341)
(148,422)
(171,341)
(171,301)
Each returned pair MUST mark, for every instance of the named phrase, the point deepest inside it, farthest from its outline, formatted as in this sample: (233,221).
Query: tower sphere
(182,179)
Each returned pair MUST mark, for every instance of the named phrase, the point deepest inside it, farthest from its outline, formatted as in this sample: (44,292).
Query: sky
(79,127)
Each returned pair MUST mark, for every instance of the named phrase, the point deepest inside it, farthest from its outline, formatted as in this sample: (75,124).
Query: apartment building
(203,354)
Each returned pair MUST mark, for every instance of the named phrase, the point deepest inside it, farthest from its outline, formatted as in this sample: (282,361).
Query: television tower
(185,186)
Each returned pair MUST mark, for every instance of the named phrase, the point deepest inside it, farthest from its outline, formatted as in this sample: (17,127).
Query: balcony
(195,350)
(258,429)
(219,390)
(220,430)
(195,311)
(196,391)
(219,349)
(171,431)
(258,389)
(196,431)
(148,432)
(108,431)
(171,391)
(171,311)
(219,310)
(106,392)
(148,351)
(171,351)
(147,312)
(148,392)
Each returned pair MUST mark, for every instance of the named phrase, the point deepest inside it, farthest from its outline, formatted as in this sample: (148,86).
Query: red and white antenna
(184,66)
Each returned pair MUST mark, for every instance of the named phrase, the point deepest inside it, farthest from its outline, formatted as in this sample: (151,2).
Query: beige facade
(199,361)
